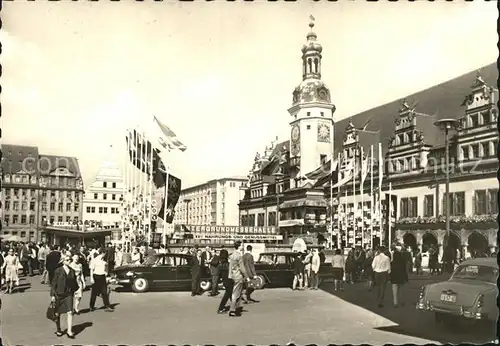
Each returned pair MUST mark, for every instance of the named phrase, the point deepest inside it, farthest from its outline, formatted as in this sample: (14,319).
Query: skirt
(338,274)
(11,273)
(64,304)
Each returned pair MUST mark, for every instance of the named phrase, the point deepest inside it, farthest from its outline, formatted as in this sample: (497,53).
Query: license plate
(448,298)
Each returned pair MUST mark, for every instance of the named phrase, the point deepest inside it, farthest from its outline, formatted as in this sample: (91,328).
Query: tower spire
(311,54)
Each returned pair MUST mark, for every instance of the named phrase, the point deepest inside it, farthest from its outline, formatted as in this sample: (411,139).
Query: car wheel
(205,285)
(140,285)
(260,282)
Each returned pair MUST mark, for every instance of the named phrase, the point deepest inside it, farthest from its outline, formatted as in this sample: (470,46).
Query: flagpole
(380,178)
(128,183)
(346,221)
(150,188)
(165,205)
(389,217)
(122,211)
(372,199)
(361,191)
(135,184)
(331,199)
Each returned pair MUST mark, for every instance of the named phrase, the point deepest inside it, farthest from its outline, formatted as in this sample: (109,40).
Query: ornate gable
(62,172)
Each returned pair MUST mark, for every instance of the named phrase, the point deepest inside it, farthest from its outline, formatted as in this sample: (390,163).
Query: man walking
(52,261)
(214,272)
(315,264)
(238,274)
(98,273)
(110,257)
(249,265)
(381,268)
(196,271)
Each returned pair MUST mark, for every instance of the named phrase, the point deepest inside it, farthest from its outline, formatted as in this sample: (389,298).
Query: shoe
(253,300)
(234,314)
(109,309)
(75,312)
(59,334)
(70,336)
(222,311)
(92,309)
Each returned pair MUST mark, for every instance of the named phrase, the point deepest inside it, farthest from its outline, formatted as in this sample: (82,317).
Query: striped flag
(169,139)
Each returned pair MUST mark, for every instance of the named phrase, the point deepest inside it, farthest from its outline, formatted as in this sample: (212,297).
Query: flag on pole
(380,167)
(364,168)
(169,139)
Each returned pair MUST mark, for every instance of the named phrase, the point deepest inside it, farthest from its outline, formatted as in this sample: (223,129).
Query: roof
(482,261)
(15,158)
(272,166)
(443,101)
(49,163)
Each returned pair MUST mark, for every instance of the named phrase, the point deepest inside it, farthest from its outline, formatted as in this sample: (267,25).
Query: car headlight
(129,274)
(422,292)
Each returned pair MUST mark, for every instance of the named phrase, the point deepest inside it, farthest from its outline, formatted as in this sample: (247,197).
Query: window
(480,202)
(32,219)
(59,219)
(44,206)
(465,151)
(6,220)
(428,205)
(88,209)
(60,207)
(104,196)
(322,114)
(308,114)
(113,197)
(475,151)
(16,192)
(474,122)
(7,205)
(23,234)
(493,201)
(24,206)
(457,204)
(308,127)
(113,185)
(486,149)
(32,206)
(251,220)
(409,207)
(76,207)
(271,218)
(93,210)
(68,206)
(96,196)
(52,193)
(23,219)
(44,193)
(104,184)
(52,219)
(68,219)
(100,210)
(15,218)
(105,210)
(52,206)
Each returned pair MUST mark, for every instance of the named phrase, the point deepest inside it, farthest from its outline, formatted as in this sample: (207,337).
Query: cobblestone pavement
(282,316)
(409,321)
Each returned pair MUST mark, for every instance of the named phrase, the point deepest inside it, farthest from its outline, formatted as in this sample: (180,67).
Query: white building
(102,199)
(212,203)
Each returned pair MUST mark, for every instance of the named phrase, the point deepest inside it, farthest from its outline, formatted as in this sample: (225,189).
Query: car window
(280,259)
(169,261)
(182,261)
(476,272)
(159,261)
(266,258)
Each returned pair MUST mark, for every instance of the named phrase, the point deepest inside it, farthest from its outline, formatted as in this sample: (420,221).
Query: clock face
(295,133)
(323,133)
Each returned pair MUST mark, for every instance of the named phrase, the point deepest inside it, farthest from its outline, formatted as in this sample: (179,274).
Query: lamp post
(278,176)
(447,125)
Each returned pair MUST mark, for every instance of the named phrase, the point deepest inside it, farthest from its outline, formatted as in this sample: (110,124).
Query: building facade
(408,162)
(102,199)
(212,203)
(38,190)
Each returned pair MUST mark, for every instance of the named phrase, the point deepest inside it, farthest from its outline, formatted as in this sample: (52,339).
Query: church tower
(311,125)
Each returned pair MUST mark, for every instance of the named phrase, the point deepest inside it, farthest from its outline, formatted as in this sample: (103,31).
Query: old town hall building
(399,140)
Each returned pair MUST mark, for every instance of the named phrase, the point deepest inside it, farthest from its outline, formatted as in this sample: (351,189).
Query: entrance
(478,245)
(428,240)
(410,240)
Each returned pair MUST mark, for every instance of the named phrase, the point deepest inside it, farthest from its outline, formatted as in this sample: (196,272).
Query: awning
(303,203)
(291,223)
(77,234)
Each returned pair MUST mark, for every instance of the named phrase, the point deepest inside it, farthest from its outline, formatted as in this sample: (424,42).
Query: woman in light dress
(80,279)
(136,256)
(11,265)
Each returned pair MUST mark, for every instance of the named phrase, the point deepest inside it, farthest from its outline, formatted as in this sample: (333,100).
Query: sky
(76,75)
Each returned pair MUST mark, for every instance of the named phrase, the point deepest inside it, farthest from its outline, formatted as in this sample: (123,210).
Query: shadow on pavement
(78,328)
(410,321)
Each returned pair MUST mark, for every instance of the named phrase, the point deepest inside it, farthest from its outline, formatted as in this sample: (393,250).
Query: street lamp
(447,125)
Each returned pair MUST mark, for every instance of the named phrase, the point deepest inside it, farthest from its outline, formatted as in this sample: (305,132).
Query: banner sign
(212,230)
(247,237)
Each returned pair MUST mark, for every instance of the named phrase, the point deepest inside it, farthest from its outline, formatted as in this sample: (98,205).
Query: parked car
(275,269)
(470,293)
(171,271)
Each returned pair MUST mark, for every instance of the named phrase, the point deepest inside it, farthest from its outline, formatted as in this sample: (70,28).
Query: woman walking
(12,266)
(350,267)
(298,269)
(398,276)
(80,279)
(63,287)
(226,281)
(368,271)
(338,264)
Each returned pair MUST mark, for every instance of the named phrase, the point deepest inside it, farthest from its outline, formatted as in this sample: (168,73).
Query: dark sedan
(170,271)
(275,269)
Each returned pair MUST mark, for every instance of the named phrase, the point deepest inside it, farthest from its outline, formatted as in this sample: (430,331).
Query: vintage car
(171,271)
(470,293)
(275,269)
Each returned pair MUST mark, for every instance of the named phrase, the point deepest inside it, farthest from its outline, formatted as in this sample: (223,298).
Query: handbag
(51,312)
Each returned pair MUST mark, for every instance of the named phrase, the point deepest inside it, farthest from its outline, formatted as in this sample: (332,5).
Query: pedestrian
(119,257)
(98,273)
(196,271)
(406,252)
(226,281)
(398,275)
(80,279)
(418,261)
(433,260)
(381,266)
(110,257)
(315,265)
(43,251)
(238,274)
(307,269)
(52,261)
(214,273)
(11,266)
(298,269)
(62,289)
(350,267)
(368,270)
(25,259)
(249,265)
(338,264)
(136,256)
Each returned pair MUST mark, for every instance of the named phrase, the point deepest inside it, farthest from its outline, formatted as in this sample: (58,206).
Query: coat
(315,263)
(399,274)
(249,264)
(63,284)
(237,271)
